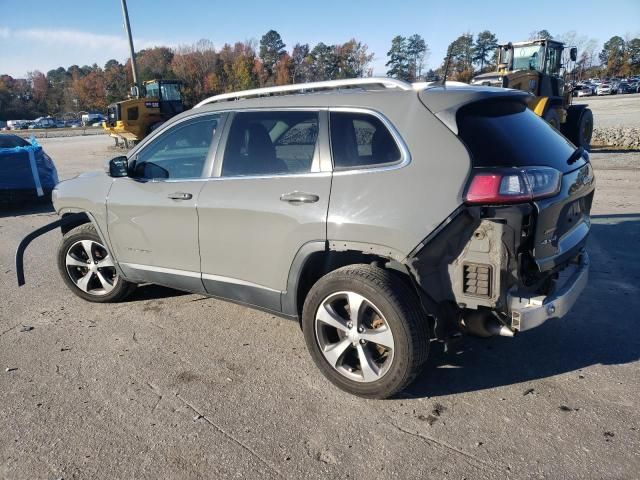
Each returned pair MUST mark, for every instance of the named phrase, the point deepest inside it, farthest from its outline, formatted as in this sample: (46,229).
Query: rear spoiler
(445,102)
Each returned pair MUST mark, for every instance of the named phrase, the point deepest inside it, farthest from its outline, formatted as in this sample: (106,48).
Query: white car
(603,89)
(584,90)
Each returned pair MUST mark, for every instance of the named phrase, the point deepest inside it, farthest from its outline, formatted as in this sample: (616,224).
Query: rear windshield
(12,141)
(504,133)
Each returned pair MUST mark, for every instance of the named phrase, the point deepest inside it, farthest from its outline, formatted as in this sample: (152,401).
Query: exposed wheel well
(81,219)
(321,263)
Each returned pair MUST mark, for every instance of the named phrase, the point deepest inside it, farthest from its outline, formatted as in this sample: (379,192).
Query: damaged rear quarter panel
(475,236)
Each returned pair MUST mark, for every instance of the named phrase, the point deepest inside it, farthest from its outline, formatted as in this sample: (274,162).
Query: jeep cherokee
(382,215)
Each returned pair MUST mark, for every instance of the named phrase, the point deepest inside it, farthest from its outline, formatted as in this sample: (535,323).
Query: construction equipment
(536,66)
(149,105)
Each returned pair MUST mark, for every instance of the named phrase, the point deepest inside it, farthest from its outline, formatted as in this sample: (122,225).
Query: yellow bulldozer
(129,121)
(536,66)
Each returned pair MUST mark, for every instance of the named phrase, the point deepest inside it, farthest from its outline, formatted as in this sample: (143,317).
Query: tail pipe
(483,324)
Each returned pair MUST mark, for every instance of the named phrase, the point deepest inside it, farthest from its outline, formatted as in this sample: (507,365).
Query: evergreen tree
(486,45)
(398,59)
(416,52)
(271,50)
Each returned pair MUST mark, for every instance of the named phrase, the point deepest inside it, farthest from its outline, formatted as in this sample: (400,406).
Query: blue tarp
(27,168)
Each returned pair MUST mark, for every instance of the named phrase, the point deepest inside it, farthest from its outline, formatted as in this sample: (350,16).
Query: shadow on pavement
(614,150)
(602,328)
(150,291)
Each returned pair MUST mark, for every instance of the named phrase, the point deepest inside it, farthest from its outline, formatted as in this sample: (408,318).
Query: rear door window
(361,140)
(505,133)
(271,143)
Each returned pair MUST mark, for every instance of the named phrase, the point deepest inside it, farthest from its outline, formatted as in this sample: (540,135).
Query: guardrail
(57,132)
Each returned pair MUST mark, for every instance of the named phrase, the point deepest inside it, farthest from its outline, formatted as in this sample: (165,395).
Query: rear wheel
(365,331)
(87,267)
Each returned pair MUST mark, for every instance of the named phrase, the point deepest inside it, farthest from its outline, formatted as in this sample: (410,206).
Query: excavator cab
(131,120)
(537,67)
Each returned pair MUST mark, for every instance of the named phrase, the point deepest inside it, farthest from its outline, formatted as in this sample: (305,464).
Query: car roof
(434,96)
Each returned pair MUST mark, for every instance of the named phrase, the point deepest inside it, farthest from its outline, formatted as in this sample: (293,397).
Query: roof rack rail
(311,86)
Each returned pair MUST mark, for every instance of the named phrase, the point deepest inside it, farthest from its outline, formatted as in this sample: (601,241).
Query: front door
(152,217)
(269,196)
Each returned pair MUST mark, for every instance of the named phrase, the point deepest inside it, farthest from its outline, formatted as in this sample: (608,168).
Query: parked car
(18,124)
(582,91)
(625,88)
(603,89)
(91,118)
(43,122)
(21,180)
(379,214)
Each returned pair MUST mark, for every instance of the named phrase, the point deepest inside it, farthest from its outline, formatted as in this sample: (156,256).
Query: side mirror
(135,93)
(118,167)
(573,54)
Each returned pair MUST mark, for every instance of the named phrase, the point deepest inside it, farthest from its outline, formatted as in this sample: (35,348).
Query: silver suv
(381,215)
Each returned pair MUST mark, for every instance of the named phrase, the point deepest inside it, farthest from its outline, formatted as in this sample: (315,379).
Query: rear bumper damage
(478,273)
(528,312)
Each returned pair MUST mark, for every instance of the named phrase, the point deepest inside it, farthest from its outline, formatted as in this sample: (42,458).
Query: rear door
(268,197)
(152,217)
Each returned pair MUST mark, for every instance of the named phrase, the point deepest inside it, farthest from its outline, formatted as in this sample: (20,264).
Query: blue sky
(52,33)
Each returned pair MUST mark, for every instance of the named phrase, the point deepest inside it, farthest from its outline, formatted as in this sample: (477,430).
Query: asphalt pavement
(174,385)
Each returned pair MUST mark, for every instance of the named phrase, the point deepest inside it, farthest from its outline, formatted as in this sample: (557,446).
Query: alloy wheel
(91,268)
(354,337)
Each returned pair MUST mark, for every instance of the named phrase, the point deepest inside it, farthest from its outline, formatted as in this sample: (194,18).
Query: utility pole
(127,27)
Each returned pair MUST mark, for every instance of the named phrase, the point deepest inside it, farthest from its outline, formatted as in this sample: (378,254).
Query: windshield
(170,91)
(528,57)
(152,90)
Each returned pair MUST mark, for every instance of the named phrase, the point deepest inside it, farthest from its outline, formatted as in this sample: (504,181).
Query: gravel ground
(613,110)
(173,385)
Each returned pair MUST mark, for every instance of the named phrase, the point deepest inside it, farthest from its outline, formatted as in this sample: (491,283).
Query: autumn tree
(301,62)
(612,55)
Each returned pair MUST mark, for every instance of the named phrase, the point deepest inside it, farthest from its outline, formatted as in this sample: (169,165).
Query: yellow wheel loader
(536,67)
(131,120)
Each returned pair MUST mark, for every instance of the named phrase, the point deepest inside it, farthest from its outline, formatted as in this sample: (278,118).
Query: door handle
(299,197)
(180,196)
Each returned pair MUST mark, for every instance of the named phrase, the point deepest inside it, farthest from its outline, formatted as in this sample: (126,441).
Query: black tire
(552,117)
(119,288)
(579,127)
(402,313)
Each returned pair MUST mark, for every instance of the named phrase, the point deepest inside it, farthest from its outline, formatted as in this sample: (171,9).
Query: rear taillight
(512,185)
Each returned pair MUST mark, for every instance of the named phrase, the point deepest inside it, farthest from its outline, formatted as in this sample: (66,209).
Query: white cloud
(72,38)
(46,48)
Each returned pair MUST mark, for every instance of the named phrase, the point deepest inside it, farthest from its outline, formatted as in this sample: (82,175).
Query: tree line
(205,70)
(469,55)
(202,69)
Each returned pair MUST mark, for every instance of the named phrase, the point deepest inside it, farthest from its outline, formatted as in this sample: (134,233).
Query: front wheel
(365,330)
(87,267)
